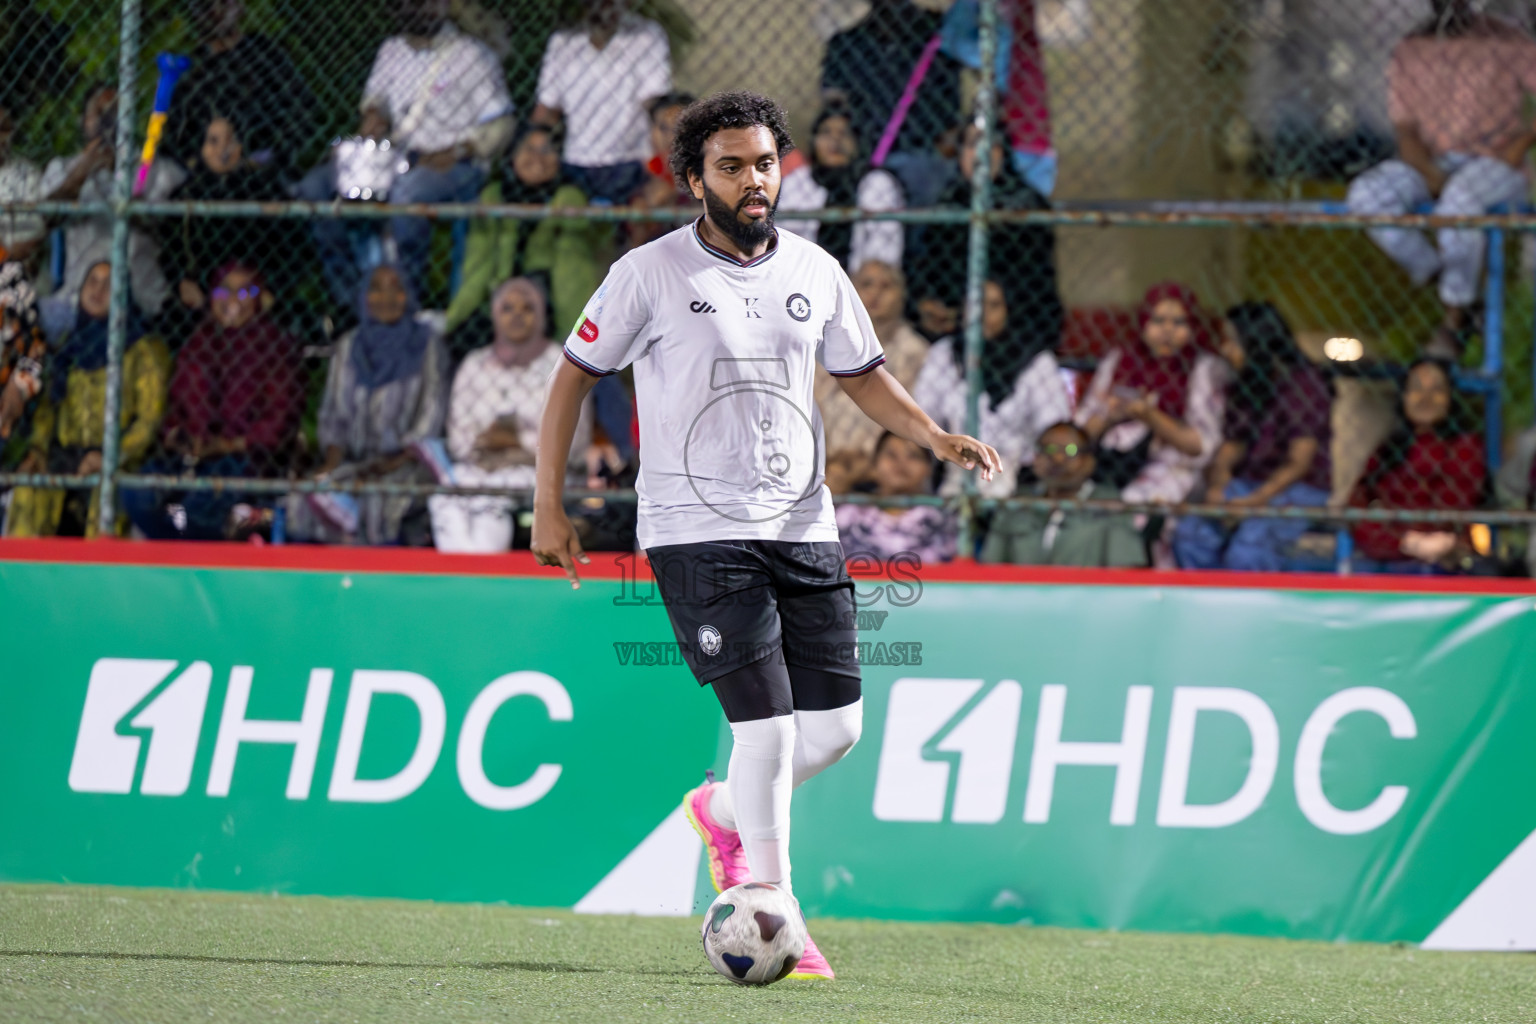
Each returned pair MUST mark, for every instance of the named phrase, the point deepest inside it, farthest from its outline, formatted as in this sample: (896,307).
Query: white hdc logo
(107,757)
(912,787)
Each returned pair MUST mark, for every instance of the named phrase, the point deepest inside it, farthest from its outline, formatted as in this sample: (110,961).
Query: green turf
(87,954)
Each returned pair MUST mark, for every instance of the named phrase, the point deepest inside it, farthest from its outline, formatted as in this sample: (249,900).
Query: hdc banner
(1315,764)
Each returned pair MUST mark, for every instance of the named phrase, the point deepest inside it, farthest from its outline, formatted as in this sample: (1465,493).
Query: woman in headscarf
(1155,406)
(850,434)
(23,349)
(1022,389)
(67,427)
(1433,459)
(836,176)
(563,252)
(234,407)
(386,390)
(1275,451)
(493,423)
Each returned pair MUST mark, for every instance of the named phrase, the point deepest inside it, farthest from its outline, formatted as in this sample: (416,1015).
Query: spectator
(194,247)
(87,177)
(1456,92)
(234,407)
(386,390)
(23,350)
(1516,489)
(1024,253)
(1064,466)
(563,252)
(1275,451)
(850,434)
(67,427)
(21,234)
(234,72)
(1022,388)
(661,190)
(835,176)
(493,423)
(902,469)
(1433,460)
(869,66)
(438,94)
(1155,407)
(597,76)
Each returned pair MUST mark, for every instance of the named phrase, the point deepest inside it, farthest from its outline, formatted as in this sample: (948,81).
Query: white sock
(823,737)
(760,781)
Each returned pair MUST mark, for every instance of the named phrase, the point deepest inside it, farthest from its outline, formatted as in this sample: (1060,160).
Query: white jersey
(724,355)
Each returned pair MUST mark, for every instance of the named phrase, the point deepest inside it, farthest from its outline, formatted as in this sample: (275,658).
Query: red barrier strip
(614,566)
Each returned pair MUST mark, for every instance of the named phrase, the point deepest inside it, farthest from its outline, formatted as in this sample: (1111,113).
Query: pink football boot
(727,859)
(812,964)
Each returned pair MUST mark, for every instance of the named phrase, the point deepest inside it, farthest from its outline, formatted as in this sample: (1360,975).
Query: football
(754,934)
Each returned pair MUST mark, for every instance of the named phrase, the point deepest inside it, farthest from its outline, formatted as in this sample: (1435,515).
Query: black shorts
(735,603)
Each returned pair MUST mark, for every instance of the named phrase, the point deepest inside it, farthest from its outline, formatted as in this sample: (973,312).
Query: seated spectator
(438,94)
(1155,407)
(23,351)
(494,413)
(87,177)
(386,390)
(837,177)
(21,234)
(1022,255)
(1022,388)
(1432,460)
(1515,486)
(850,434)
(1457,89)
(234,407)
(194,247)
(1064,466)
(902,469)
(1275,451)
(597,77)
(67,427)
(564,252)
(235,70)
(661,190)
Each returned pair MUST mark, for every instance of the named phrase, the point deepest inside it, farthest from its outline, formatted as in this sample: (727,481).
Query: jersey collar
(727,257)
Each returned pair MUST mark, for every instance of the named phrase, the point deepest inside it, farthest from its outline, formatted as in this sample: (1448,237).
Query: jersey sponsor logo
(702,307)
(798,306)
(587,330)
(752,313)
(709,640)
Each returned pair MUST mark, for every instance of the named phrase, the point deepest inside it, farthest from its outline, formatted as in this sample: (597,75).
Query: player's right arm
(554,539)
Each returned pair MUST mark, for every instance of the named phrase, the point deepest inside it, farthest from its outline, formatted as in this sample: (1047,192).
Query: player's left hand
(967,452)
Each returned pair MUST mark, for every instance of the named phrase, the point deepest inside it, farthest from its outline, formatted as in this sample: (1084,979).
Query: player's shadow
(474,965)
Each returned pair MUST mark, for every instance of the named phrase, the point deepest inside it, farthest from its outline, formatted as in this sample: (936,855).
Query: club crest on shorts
(587,331)
(709,640)
(799,307)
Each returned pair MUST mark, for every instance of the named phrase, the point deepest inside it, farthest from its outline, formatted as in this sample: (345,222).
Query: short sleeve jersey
(724,356)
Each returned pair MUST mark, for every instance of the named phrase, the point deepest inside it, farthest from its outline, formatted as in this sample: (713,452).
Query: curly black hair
(718,112)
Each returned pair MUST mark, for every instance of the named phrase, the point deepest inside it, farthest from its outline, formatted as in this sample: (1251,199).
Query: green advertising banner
(1328,764)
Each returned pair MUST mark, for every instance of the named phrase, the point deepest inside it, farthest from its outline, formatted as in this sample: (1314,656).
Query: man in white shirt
(598,77)
(439,96)
(723,321)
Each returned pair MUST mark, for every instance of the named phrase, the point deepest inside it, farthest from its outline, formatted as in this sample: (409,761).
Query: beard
(747,235)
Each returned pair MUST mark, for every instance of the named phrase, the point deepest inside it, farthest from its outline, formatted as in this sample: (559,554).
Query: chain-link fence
(327,308)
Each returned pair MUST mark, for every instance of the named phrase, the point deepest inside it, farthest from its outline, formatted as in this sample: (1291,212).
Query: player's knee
(831,734)
(765,739)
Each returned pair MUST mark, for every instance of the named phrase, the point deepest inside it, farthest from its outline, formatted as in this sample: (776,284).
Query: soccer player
(723,320)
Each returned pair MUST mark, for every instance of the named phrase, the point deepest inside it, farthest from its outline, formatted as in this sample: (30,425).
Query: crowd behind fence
(1228,283)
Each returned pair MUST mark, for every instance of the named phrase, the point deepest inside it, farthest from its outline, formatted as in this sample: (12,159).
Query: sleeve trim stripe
(587,367)
(861,371)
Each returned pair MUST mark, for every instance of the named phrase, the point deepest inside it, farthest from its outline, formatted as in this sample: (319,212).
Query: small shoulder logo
(702,307)
(709,640)
(587,331)
(799,307)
